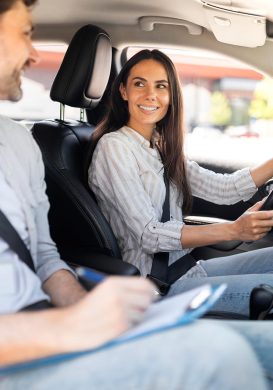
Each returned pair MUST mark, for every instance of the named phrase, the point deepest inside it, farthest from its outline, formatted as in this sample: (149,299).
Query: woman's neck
(145,131)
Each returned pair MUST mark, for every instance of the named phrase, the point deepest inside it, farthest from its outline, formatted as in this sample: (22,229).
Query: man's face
(16,50)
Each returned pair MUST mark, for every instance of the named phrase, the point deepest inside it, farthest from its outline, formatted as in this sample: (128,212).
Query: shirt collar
(138,138)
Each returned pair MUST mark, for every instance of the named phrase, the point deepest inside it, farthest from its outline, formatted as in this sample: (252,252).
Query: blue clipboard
(187,317)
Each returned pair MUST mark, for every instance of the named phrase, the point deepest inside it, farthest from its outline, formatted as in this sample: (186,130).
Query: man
(199,356)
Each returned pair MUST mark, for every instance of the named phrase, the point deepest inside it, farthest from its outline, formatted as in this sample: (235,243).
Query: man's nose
(34,57)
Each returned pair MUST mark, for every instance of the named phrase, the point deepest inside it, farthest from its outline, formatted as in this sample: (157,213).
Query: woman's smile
(148,109)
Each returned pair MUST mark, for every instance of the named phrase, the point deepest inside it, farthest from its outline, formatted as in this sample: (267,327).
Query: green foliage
(261,107)
(220,109)
(240,115)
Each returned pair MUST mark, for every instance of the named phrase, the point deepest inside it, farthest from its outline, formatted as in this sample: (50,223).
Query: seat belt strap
(162,274)
(17,245)
(161,259)
(180,267)
(12,238)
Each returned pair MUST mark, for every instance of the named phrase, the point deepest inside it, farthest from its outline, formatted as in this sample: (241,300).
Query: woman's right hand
(106,312)
(253,224)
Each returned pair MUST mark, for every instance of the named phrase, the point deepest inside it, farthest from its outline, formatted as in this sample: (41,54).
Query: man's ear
(123,92)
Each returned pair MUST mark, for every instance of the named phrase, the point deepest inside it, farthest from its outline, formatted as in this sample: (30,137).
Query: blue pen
(89,276)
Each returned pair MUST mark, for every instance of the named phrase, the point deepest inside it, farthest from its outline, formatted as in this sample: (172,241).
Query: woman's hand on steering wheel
(254,224)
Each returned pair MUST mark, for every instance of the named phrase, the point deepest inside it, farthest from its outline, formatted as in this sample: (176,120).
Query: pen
(89,277)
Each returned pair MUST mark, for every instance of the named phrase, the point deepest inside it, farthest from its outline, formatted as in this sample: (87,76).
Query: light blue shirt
(19,286)
(23,199)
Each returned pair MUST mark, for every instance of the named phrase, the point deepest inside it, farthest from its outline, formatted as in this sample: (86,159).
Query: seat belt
(15,242)
(162,274)
(17,245)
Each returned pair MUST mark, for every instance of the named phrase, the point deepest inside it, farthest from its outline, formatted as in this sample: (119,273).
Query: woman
(140,137)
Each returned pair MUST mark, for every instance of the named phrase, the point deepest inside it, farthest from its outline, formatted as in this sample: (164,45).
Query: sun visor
(236,27)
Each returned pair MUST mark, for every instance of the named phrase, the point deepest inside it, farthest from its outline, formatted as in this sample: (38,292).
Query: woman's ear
(122,91)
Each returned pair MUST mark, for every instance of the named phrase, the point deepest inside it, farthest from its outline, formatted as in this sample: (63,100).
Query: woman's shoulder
(116,138)
(113,146)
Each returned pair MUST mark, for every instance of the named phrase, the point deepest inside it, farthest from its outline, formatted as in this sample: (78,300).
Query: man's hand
(101,315)
(253,224)
(106,312)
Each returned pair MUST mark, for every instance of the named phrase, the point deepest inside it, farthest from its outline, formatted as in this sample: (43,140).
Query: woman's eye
(139,84)
(161,86)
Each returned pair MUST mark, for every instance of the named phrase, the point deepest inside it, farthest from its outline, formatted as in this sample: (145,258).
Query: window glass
(36,83)
(228,109)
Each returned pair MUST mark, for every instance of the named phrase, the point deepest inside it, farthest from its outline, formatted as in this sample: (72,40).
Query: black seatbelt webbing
(40,305)
(180,267)
(12,238)
(161,273)
(161,259)
(15,242)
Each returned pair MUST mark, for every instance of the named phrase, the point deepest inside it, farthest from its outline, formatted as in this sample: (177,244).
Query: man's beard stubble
(14,88)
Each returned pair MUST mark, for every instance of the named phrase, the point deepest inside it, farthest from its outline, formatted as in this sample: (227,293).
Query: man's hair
(6,5)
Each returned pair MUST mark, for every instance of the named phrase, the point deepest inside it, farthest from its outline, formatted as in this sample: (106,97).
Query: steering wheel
(268,204)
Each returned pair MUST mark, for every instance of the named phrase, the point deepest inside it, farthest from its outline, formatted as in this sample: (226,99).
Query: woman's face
(148,95)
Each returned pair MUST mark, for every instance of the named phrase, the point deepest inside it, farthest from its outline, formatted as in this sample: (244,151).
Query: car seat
(82,234)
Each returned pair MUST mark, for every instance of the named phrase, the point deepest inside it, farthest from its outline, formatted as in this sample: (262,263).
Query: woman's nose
(151,93)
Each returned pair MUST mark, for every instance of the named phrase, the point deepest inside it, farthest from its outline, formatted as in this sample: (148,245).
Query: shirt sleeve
(48,258)
(220,188)
(115,178)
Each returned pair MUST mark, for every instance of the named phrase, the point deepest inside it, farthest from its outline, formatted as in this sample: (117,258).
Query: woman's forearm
(250,226)
(262,173)
(196,236)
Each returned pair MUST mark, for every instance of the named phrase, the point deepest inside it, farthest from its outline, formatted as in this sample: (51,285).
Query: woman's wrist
(232,231)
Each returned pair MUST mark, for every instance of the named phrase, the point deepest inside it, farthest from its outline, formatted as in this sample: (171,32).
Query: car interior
(100,33)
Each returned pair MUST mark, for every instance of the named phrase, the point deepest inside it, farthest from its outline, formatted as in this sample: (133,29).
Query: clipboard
(163,315)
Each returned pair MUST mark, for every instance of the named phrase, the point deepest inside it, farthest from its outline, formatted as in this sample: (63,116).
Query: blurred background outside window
(228,109)
(228,106)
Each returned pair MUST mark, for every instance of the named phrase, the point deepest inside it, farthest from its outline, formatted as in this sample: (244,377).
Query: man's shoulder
(4,120)
(12,131)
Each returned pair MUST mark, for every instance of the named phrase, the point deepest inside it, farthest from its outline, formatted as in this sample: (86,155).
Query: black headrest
(85,70)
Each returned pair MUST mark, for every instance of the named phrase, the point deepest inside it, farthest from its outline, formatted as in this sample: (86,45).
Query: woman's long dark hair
(170,128)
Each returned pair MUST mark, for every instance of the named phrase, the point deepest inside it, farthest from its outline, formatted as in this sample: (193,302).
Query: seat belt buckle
(163,287)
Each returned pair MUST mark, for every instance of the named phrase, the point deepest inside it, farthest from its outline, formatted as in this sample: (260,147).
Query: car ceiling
(121,19)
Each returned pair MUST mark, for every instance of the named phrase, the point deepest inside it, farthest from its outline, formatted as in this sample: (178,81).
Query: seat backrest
(75,220)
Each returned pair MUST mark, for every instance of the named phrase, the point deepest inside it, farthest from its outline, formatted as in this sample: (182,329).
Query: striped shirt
(126,175)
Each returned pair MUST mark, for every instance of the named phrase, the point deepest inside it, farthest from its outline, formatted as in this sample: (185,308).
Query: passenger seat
(82,234)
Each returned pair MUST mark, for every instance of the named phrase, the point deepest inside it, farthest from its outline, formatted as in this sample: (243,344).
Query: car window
(228,109)
(36,83)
